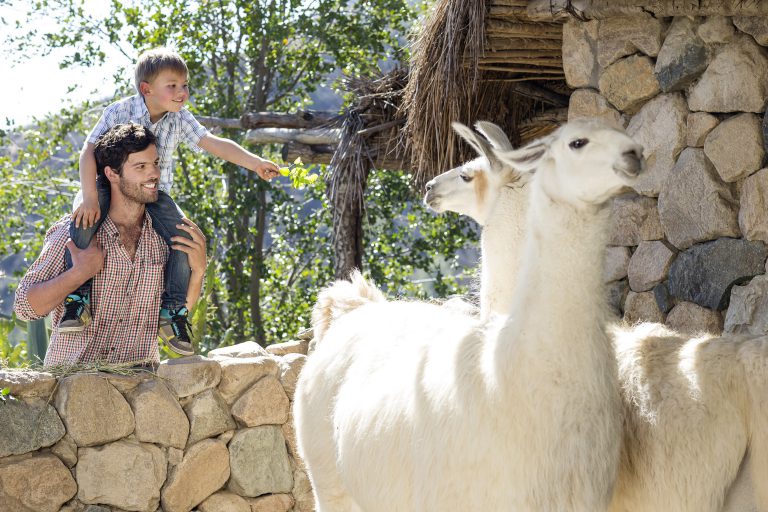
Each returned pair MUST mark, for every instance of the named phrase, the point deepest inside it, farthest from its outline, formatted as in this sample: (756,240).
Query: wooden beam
(498,42)
(300,119)
(284,135)
(532,30)
(540,93)
(309,154)
(219,122)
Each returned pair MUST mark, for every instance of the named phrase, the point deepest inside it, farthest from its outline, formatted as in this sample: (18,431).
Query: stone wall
(212,434)
(691,249)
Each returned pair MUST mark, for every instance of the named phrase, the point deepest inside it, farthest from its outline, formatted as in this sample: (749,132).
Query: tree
(243,56)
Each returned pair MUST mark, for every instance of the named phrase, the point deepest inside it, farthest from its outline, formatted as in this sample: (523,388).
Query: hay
(455,76)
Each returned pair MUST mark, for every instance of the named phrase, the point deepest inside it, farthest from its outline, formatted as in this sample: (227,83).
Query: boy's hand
(87,213)
(266,169)
(194,248)
(88,261)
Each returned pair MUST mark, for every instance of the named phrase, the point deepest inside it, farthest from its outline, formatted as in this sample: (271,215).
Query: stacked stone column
(690,250)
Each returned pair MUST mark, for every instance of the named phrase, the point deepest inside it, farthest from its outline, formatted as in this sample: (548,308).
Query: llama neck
(501,242)
(559,294)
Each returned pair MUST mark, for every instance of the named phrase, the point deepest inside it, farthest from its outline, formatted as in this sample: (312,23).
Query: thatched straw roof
(476,60)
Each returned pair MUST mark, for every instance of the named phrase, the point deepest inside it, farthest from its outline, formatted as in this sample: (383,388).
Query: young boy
(161,81)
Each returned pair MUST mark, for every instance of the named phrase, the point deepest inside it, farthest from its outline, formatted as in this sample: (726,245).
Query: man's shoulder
(59,228)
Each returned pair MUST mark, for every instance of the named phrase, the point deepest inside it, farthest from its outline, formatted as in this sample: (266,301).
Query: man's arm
(195,250)
(231,151)
(45,296)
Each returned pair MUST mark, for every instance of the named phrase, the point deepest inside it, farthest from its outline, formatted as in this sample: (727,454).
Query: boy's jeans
(165,215)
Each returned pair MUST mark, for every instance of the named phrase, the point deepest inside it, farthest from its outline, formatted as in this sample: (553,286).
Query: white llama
(496,196)
(411,407)
(692,405)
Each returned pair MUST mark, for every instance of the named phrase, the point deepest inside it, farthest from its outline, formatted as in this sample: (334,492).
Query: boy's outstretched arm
(233,152)
(88,212)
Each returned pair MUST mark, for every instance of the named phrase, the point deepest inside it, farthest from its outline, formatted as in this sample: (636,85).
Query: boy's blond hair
(152,62)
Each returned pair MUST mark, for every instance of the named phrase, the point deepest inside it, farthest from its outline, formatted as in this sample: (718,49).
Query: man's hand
(266,169)
(87,262)
(194,248)
(87,213)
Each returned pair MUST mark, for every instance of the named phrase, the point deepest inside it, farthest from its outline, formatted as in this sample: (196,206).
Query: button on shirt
(125,302)
(172,129)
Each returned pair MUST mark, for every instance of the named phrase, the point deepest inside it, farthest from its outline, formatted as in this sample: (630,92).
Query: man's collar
(109,228)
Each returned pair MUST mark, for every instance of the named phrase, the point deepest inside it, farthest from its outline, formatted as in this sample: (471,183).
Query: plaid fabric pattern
(125,303)
(171,130)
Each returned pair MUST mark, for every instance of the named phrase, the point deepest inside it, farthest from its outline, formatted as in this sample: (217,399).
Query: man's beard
(136,193)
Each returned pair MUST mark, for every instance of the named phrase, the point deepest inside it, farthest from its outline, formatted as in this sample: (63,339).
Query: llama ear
(495,135)
(527,158)
(480,145)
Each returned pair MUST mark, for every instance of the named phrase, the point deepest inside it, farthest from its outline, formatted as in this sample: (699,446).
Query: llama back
(340,298)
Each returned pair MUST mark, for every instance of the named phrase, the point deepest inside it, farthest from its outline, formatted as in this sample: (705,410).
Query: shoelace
(72,308)
(181,325)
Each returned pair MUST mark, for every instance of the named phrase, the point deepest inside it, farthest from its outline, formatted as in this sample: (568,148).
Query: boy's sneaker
(77,314)
(175,331)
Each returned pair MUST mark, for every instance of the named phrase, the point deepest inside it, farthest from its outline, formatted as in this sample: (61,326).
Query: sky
(37,86)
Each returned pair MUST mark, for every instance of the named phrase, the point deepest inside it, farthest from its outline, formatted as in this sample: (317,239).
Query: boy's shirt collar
(141,105)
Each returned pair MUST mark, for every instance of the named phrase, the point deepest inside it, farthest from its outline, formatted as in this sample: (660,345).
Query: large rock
(622,36)
(27,427)
(699,124)
(735,147)
(208,416)
(289,433)
(272,503)
(756,26)
(642,307)
(238,374)
(683,57)
(634,219)
(716,29)
(35,484)
(734,80)
(265,403)
(616,263)
(664,299)
(289,347)
(290,367)
(691,319)
(159,417)
(123,474)
(244,349)
(629,83)
(204,470)
(694,204)
(30,384)
(649,265)
(753,213)
(616,295)
(748,309)
(588,103)
(660,128)
(190,375)
(259,462)
(705,273)
(225,501)
(580,53)
(93,411)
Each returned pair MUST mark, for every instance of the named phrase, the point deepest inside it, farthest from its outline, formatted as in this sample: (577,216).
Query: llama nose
(634,161)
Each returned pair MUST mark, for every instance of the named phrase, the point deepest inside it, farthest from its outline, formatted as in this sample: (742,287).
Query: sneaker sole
(80,328)
(180,351)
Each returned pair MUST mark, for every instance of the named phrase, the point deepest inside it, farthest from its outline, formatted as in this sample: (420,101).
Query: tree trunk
(347,228)
(258,263)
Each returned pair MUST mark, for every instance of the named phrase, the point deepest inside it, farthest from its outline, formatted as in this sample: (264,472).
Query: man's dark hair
(114,146)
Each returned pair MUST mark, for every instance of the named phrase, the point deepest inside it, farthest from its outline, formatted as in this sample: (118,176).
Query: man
(126,260)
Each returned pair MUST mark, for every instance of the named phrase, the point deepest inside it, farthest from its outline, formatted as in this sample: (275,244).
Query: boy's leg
(77,311)
(173,327)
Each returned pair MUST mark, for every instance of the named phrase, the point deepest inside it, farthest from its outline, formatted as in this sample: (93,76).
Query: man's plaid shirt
(125,303)
(171,130)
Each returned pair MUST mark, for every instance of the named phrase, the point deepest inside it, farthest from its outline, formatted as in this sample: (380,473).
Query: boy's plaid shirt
(125,302)
(170,131)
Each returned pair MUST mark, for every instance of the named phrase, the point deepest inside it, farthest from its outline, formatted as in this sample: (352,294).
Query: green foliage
(11,356)
(269,242)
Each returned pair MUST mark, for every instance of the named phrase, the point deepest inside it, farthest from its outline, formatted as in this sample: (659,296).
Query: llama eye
(578,143)
(465,178)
